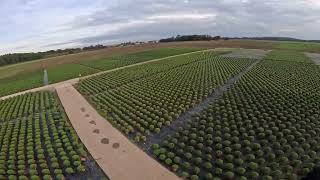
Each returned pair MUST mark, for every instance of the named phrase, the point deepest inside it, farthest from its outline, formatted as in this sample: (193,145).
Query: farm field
(284,55)
(17,78)
(68,71)
(226,113)
(142,100)
(299,46)
(106,81)
(38,143)
(124,60)
(106,59)
(266,127)
(20,83)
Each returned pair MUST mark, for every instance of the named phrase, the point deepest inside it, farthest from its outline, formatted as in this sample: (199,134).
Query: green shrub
(229,175)
(184,175)
(194,177)
(175,167)
(69,170)
(81,169)
(168,161)
(162,157)
(47,177)
(35,177)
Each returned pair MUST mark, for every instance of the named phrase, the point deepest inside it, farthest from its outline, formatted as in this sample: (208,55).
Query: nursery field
(38,143)
(216,114)
(143,99)
(265,127)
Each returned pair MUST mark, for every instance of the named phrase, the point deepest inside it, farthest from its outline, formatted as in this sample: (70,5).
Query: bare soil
(247,53)
(314,57)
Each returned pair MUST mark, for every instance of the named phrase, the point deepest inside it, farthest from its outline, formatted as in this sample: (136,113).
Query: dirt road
(115,154)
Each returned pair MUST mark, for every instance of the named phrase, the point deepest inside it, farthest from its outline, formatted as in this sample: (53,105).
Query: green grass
(68,71)
(299,46)
(20,83)
(124,60)
(285,55)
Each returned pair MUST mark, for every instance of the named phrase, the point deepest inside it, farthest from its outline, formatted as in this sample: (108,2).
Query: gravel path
(247,53)
(115,154)
(314,57)
(181,121)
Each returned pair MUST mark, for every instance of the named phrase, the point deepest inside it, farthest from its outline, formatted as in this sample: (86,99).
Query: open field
(284,55)
(216,114)
(299,46)
(124,60)
(108,58)
(30,73)
(37,141)
(69,71)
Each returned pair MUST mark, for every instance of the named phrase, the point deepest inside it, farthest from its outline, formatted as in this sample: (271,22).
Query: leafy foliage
(36,140)
(266,127)
(144,99)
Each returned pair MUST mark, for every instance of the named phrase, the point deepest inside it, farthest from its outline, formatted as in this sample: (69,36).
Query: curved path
(115,154)
(76,80)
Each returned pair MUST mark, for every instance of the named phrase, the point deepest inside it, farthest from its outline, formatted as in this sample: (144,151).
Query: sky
(40,25)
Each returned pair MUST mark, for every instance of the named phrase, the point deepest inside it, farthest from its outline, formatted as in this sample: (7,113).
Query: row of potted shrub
(262,128)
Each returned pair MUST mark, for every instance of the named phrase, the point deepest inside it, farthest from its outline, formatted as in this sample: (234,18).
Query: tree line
(192,38)
(14,58)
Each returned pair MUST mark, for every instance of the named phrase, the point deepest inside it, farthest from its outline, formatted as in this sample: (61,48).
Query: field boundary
(181,121)
(113,152)
(76,80)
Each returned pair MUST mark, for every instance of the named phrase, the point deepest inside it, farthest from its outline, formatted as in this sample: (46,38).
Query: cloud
(34,25)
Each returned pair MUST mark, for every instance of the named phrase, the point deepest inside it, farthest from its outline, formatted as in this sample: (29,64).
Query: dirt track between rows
(119,158)
(314,57)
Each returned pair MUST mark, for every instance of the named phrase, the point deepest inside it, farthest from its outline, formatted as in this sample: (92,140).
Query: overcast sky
(38,25)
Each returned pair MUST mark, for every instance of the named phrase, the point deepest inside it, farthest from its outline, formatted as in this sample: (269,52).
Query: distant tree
(23,57)
(190,38)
